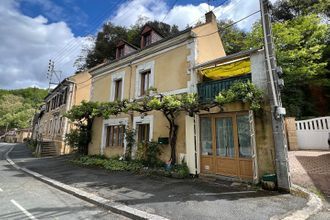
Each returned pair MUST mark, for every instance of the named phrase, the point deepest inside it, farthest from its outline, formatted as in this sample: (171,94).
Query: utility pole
(52,72)
(278,112)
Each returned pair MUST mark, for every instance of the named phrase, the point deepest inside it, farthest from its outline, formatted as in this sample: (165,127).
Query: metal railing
(208,90)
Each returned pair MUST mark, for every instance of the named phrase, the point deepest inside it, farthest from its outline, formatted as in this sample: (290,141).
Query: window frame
(145,82)
(120,51)
(140,69)
(114,78)
(115,136)
(145,133)
(147,38)
(118,89)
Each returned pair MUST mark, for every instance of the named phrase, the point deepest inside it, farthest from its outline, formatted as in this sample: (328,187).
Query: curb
(89,197)
(313,206)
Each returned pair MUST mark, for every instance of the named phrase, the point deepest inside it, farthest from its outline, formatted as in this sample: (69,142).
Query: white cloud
(26,46)
(183,15)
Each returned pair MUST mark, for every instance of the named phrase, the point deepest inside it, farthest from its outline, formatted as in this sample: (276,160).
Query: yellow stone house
(50,125)
(234,143)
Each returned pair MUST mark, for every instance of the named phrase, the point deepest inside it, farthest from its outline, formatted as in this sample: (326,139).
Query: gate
(313,134)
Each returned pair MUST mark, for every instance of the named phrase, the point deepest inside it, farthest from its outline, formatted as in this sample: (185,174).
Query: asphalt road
(23,197)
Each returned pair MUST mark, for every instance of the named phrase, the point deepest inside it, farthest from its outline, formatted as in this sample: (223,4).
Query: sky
(34,31)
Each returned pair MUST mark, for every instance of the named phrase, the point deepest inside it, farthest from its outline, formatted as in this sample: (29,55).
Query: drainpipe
(195,146)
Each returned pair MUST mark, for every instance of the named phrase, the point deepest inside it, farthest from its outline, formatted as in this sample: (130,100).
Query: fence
(313,134)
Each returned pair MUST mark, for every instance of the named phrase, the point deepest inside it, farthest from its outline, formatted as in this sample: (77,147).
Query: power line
(169,10)
(73,49)
(227,26)
(95,22)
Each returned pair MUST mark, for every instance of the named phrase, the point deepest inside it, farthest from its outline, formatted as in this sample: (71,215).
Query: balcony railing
(208,90)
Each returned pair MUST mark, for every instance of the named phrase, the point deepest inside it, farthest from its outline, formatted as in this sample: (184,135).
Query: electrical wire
(174,3)
(94,23)
(227,26)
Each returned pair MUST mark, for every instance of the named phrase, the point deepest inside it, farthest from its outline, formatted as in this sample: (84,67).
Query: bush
(109,164)
(181,170)
(32,145)
(148,153)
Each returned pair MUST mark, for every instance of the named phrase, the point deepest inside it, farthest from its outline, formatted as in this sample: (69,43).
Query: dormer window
(149,36)
(121,51)
(147,39)
(124,48)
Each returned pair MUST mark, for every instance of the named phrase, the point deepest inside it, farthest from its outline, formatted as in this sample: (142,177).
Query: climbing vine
(170,105)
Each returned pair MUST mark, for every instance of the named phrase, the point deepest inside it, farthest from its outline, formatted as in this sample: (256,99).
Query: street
(23,197)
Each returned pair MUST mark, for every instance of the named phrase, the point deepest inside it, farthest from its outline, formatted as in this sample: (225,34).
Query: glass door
(225,141)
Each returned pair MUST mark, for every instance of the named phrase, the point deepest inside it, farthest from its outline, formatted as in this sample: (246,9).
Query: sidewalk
(170,198)
(311,169)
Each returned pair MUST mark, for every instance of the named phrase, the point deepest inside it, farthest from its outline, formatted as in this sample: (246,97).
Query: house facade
(235,142)
(50,125)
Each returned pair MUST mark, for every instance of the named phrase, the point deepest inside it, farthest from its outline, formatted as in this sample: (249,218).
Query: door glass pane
(244,137)
(206,136)
(224,137)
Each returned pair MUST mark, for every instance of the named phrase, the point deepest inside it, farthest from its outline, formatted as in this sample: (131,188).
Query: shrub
(181,170)
(130,142)
(32,145)
(109,164)
(148,153)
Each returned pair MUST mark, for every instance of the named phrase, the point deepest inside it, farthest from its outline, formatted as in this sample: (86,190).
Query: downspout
(195,145)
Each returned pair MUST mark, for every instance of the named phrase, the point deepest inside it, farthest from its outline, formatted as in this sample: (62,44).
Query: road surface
(23,197)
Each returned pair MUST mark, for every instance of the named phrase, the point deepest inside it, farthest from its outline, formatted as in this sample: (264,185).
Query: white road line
(1,190)
(28,214)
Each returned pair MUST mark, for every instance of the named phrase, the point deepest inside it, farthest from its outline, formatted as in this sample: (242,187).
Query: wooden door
(226,145)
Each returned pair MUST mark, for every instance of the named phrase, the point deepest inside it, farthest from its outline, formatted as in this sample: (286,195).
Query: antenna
(51,73)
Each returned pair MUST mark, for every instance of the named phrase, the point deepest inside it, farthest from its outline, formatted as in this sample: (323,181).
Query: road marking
(1,190)
(28,214)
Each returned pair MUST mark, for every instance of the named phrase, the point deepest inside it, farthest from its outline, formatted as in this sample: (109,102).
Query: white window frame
(115,77)
(139,70)
(111,122)
(149,119)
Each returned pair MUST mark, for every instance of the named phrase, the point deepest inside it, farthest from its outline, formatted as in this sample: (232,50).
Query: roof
(141,49)
(125,42)
(58,86)
(151,28)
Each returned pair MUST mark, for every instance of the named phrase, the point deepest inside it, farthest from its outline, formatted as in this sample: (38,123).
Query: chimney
(210,17)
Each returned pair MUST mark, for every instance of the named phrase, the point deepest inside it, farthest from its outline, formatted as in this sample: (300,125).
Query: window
(115,136)
(143,133)
(206,136)
(49,126)
(224,137)
(145,82)
(118,89)
(147,39)
(65,94)
(244,136)
(60,125)
(120,51)
(48,106)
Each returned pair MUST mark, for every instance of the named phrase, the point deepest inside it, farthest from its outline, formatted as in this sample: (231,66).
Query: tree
(300,44)
(107,39)
(289,9)
(82,117)
(105,44)
(14,112)
(232,37)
